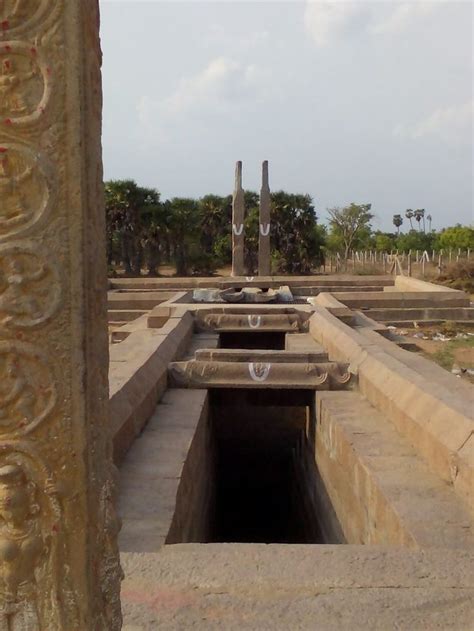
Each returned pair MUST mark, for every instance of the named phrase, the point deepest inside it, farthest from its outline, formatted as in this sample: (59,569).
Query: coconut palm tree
(409,214)
(397,222)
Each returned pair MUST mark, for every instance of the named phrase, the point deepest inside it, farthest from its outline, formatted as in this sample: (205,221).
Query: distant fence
(414,262)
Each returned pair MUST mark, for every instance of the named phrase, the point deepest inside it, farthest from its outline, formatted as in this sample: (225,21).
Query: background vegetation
(145,232)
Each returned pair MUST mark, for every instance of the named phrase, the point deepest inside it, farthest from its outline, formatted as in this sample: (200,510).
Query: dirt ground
(450,346)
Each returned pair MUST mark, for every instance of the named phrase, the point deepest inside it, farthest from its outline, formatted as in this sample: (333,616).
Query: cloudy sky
(349,101)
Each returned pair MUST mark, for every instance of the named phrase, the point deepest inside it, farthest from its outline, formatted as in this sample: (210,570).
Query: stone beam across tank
(296,376)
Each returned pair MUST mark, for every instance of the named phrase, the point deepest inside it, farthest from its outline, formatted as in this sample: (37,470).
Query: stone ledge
(436,421)
(262,587)
(381,490)
(138,376)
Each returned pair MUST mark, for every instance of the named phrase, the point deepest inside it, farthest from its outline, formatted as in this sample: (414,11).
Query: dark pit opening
(263,493)
(267,340)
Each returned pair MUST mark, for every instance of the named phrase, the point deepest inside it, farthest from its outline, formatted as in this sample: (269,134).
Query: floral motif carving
(30,288)
(25,84)
(27,391)
(25,189)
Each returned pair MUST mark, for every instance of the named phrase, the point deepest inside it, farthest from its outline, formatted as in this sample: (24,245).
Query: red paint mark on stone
(33,51)
(8,121)
(159,599)
(5,25)
(49,72)
(3,149)
(55,528)
(7,48)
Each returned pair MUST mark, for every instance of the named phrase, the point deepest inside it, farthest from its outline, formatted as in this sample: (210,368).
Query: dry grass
(459,275)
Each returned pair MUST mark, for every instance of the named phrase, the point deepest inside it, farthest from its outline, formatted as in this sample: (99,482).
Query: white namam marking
(264,229)
(254,321)
(250,278)
(259,372)
(237,229)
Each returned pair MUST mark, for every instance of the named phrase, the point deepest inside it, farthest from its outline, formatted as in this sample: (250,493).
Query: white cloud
(400,17)
(325,20)
(453,125)
(223,85)
(223,80)
(328,20)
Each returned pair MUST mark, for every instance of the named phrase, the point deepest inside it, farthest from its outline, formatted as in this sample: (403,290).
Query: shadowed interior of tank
(267,340)
(262,494)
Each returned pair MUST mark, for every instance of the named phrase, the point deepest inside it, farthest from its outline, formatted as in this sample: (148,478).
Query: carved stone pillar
(264,265)
(59,567)
(238,218)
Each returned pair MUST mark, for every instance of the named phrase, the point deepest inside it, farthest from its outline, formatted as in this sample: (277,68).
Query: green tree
(457,236)
(350,223)
(384,241)
(414,240)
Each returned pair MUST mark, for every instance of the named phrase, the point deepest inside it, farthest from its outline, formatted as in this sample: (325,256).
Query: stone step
(303,343)
(381,490)
(266,356)
(124,315)
(258,587)
(403,300)
(314,291)
(137,300)
(201,342)
(293,376)
(153,470)
(432,314)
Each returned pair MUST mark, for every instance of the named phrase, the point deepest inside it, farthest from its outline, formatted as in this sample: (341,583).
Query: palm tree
(397,222)
(409,214)
(429,218)
(419,215)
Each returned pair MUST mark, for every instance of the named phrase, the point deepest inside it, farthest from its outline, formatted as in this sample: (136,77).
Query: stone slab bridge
(316,475)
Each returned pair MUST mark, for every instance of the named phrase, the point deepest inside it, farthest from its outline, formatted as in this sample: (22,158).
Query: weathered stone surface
(59,566)
(215,374)
(138,377)
(239,586)
(381,490)
(230,322)
(165,473)
(434,419)
(238,229)
(264,267)
(311,354)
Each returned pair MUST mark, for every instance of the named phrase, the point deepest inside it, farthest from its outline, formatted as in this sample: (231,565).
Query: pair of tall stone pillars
(238,230)
(59,564)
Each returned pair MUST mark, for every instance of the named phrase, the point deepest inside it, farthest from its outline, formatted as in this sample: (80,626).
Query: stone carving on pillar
(30,289)
(35,585)
(27,391)
(25,189)
(264,263)
(59,563)
(238,218)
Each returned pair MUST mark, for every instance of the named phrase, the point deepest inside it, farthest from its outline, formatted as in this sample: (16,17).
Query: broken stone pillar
(264,265)
(238,217)
(59,564)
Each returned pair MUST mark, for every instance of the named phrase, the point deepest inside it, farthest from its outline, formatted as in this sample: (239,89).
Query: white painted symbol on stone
(264,229)
(249,278)
(237,229)
(259,372)
(254,321)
